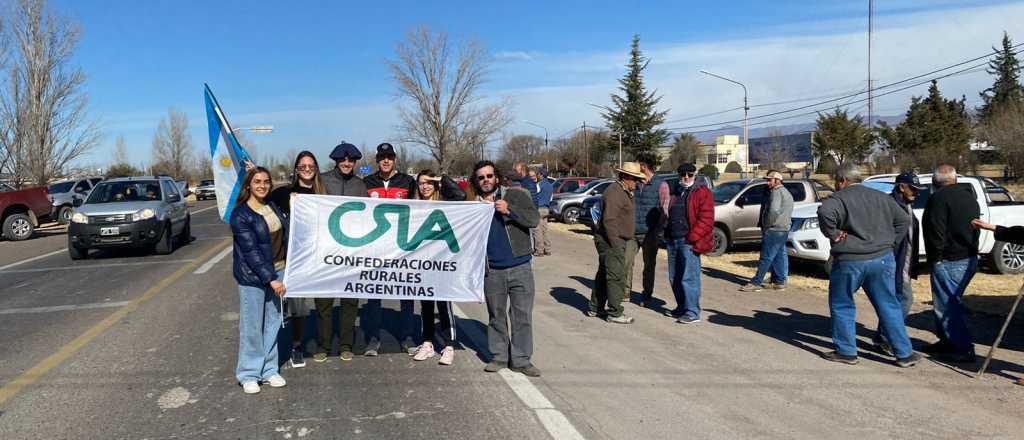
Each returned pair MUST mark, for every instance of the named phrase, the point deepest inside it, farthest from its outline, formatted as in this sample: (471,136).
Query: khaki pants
(541,242)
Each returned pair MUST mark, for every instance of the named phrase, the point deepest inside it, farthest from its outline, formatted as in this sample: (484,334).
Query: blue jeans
(949,281)
(684,276)
(259,321)
(878,278)
(405,323)
(773,257)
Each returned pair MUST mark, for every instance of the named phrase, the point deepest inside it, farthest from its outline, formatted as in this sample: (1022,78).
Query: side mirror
(739,202)
(77,202)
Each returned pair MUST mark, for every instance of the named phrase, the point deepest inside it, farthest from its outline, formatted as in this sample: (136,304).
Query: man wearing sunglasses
(508,281)
(341,181)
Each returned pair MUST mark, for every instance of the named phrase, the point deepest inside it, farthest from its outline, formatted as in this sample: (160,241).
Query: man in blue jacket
(541,199)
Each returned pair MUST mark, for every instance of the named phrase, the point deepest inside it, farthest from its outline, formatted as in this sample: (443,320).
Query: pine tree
(634,116)
(936,130)
(1006,88)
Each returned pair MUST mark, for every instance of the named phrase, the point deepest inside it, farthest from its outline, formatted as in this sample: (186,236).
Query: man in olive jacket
(614,230)
(508,282)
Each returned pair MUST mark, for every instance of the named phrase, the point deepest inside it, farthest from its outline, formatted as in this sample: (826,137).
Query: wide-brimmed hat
(632,169)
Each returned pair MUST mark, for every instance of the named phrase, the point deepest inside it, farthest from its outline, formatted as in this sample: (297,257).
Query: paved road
(129,345)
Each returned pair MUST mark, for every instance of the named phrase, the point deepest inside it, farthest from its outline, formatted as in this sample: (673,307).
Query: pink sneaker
(447,356)
(426,351)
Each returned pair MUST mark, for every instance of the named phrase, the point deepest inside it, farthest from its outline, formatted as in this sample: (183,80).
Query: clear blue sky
(317,72)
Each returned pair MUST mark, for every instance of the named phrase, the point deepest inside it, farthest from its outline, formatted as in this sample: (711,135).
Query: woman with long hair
(305,180)
(260,246)
(431,187)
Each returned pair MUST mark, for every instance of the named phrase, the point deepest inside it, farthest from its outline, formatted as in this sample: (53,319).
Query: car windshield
(206,183)
(725,192)
(5,187)
(586,188)
(61,187)
(128,191)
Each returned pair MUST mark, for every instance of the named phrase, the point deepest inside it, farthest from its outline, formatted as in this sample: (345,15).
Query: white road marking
(213,261)
(550,417)
(62,308)
(94,266)
(29,260)
(204,209)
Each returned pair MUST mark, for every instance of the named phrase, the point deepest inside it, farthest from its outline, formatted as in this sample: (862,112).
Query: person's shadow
(806,331)
(572,297)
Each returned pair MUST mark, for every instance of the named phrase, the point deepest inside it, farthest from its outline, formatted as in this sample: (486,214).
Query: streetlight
(746,108)
(256,129)
(545,134)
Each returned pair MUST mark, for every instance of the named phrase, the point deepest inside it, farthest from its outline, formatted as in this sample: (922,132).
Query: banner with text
(357,247)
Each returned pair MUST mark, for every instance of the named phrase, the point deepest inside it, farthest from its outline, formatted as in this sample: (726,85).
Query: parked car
(130,212)
(205,190)
(21,211)
(64,193)
(738,205)
(807,243)
(570,184)
(586,214)
(566,207)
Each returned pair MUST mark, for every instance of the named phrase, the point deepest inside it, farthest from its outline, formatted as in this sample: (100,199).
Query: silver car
(566,207)
(63,195)
(130,212)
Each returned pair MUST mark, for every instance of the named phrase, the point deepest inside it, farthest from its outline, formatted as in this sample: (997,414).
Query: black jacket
(451,191)
(910,244)
(948,235)
(1012,234)
(253,252)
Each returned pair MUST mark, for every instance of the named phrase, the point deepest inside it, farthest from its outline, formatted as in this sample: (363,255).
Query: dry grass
(988,292)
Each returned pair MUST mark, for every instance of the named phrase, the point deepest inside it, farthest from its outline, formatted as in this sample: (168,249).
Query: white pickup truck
(806,242)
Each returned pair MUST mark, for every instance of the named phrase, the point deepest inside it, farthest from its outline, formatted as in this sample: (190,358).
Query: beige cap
(774,175)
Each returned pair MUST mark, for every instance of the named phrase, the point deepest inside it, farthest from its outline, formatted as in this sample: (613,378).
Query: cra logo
(435,227)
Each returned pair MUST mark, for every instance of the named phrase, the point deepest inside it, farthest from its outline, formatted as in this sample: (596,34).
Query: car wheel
(77,253)
(721,242)
(18,227)
(571,215)
(1008,258)
(166,243)
(64,215)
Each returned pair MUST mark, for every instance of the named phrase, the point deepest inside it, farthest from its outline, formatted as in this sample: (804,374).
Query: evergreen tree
(937,130)
(841,138)
(1006,88)
(633,116)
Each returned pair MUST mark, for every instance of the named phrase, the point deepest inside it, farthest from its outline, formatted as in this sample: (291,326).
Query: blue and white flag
(228,157)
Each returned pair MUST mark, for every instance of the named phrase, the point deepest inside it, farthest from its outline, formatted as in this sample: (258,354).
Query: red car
(570,184)
(20,211)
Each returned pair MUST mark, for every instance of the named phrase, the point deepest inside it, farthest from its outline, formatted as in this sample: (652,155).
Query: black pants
(324,323)
(444,310)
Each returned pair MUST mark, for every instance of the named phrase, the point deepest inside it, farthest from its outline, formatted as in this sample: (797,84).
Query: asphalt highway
(133,345)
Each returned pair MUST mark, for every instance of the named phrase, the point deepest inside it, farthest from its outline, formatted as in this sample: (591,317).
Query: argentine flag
(228,157)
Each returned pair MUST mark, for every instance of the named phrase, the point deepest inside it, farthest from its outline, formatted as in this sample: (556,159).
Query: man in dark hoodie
(952,248)
(904,193)
(341,181)
(864,226)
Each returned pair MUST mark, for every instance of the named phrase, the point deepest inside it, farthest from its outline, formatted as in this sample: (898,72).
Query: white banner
(360,247)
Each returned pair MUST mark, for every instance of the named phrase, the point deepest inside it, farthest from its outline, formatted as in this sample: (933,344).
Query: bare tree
(440,84)
(120,155)
(1005,130)
(44,120)
(523,148)
(172,144)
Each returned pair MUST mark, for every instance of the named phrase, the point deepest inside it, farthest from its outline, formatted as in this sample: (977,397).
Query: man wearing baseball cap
(774,221)
(904,192)
(389,183)
(341,181)
(613,231)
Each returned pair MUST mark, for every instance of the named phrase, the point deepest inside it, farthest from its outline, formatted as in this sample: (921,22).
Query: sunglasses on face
(687,175)
(485,176)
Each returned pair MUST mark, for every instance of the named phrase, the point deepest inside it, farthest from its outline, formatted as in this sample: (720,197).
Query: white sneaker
(426,351)
(447,356)
(276,381)
(251,387)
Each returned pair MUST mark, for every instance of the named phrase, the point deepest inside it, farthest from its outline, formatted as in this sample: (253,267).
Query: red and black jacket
(399,186)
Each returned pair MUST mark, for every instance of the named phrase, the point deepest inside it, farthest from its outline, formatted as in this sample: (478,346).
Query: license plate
(110,231)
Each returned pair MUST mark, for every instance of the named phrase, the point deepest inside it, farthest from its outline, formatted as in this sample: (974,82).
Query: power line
(963,71)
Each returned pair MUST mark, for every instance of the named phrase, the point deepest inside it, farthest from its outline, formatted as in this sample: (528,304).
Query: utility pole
(620,150)
(586,148)
(871,91)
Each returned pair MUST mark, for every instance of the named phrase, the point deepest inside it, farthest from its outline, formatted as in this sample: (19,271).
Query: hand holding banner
(354,247)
